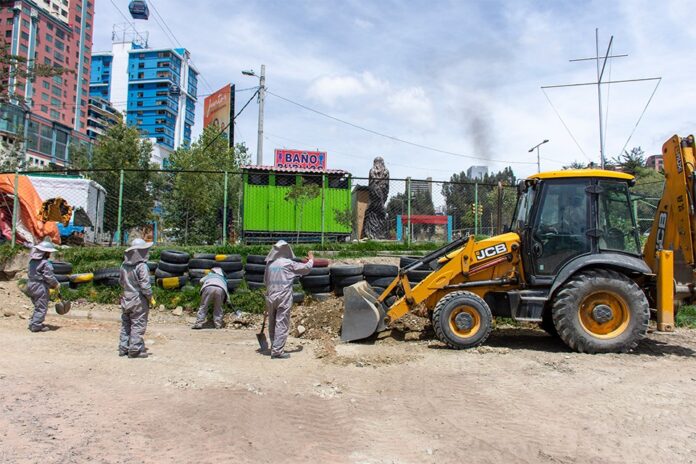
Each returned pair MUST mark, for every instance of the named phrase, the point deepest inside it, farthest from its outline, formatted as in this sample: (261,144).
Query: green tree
(122,148)
(630,162)
(192,202)
(12,155)
(300,194)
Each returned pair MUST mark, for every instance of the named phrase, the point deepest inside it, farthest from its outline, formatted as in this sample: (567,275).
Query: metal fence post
(15,208)
(323,207)
(499,214)
(476,208)
(120,210)
(408,210)
(224,214)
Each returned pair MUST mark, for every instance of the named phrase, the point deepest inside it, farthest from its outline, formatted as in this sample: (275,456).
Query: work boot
(122,353)
(280,356)
(40,328)
(139,354)
(197,326)
(219,326)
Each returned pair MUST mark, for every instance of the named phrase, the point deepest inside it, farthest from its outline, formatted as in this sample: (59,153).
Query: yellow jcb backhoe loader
(571,262)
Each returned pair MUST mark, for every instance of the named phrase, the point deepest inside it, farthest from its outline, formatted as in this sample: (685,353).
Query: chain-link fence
(257,205)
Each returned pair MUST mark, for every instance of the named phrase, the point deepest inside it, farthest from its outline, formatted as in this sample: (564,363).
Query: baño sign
(300,159)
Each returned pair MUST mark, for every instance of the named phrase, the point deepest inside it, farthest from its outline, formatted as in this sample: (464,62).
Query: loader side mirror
(522,187)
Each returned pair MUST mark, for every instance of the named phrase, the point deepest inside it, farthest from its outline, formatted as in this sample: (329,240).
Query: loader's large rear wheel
(601,311)
(462,320)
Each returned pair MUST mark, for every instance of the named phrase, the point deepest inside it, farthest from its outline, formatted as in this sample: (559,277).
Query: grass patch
(7,252)
(687,317)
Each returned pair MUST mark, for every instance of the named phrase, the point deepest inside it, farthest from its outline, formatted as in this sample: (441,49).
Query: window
(60,34)
(141,94)
(560,232)
(59,45)
(616,222)
(44,96)
(141,65)
(48,49)
(55,102)
(25,36)
(312,179)
(163,74)
(258,178)
(141,75)
(285,180)
(49,38)
(162,93)
(8,33)
(159,130)
(160,139)
(139,103)
(25,23)
(23,49)
(56,91)
(46,85)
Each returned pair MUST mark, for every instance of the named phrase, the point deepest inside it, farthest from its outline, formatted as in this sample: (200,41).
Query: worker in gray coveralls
(135,299)
(41,279)
(213,290)
(280,272)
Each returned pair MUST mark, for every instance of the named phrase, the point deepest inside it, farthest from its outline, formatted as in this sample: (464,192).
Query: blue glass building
(156,89)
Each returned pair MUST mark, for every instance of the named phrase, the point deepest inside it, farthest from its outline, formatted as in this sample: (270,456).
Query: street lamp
(537,149)
(262,96)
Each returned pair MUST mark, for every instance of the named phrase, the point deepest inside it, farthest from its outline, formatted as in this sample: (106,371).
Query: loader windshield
(524,205)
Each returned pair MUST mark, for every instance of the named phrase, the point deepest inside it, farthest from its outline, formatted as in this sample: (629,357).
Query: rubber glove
(152,302)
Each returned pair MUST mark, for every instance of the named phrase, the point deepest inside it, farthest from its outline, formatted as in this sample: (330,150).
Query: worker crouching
(213,291)
(278,279)
(135,299)
(40,280)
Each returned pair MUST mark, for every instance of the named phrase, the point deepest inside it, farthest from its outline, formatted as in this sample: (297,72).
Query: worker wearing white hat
(41,279)
(281,271)
(135,299)
(213,290)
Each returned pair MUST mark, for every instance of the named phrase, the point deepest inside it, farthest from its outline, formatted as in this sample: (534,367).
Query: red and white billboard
(300,159)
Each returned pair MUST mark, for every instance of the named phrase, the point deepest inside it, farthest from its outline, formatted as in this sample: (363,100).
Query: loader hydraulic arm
(675,220)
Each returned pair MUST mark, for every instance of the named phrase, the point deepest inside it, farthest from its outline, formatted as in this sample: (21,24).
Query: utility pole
(600,74)
(262,96)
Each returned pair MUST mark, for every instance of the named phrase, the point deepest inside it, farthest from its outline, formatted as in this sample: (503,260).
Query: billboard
(218,109)
(300,159)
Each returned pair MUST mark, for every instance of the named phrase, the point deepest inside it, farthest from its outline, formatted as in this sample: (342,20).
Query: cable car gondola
(139,9)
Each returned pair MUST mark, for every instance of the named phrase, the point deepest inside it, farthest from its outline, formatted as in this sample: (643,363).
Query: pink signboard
(300,159)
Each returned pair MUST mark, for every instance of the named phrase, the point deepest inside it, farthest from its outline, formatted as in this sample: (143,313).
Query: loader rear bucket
(363,315)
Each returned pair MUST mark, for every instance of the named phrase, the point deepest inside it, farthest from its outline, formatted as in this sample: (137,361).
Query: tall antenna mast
(600,74)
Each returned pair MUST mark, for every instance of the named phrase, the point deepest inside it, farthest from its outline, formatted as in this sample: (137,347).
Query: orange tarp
(29,206)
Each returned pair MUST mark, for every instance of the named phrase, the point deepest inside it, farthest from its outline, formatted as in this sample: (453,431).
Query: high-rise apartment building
(155,88)
(49,113)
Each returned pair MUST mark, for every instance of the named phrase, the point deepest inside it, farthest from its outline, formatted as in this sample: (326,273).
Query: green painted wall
(266,210)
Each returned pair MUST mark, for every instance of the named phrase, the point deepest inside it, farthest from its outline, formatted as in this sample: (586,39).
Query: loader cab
(564,216)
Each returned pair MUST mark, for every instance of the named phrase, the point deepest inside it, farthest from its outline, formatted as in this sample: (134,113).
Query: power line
(177,42)
(391,137)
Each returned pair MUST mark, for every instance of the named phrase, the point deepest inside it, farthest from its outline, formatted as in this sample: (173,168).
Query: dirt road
(208,397)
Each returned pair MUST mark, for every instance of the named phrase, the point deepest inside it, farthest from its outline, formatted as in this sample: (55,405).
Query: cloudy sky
(461,76)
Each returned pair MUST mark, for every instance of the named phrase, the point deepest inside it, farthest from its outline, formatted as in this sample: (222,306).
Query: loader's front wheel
(601,311)
(462,320)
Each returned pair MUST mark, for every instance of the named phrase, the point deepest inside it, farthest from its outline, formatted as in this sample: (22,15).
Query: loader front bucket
(363,314)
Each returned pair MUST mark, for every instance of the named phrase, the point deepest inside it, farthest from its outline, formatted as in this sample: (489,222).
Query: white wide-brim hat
(139,244)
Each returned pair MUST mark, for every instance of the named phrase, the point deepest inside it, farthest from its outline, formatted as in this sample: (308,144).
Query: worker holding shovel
(281,270)
(41,279)
(136,299)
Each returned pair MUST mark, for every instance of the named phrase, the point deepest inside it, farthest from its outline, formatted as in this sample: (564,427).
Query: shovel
(261,336)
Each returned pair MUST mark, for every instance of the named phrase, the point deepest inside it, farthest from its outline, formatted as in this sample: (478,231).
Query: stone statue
(376,225)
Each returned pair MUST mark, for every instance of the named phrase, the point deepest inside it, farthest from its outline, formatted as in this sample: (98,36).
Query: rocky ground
(209,396)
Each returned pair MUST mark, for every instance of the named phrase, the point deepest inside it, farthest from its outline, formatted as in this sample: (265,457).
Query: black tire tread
(565,308)
(439,333)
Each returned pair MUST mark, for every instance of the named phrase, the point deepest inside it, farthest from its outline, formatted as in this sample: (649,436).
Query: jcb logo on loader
(491,251)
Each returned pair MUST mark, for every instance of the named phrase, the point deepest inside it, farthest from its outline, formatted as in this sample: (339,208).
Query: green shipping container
(270,213)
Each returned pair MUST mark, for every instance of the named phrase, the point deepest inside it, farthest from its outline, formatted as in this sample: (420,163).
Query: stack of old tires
(171,269)
(379,276)
(255,268)
(318,281)
(343,276)
(417,274)
(109,276)
(231,265)
(62,271)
